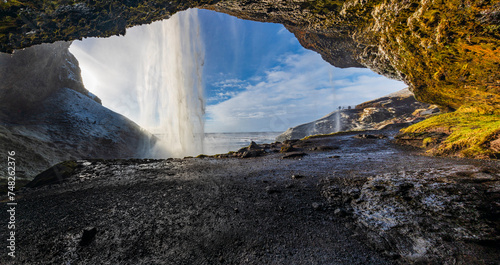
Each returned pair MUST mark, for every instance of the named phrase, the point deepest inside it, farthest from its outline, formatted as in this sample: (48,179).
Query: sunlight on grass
(470,130)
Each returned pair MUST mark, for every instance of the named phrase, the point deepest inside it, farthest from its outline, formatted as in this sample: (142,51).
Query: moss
(4,5)
(287,148)
(104,18)
(444,50)
(317,136)
(446,54)
(427,141)
(470,131)
(322,7)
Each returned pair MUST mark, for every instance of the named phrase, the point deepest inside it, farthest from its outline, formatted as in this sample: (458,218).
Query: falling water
(169,85)
(337,121)
(337,126)
(152,75)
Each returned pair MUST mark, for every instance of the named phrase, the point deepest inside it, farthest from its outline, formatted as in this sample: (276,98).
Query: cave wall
(47,116)
(31,75)
(446,51)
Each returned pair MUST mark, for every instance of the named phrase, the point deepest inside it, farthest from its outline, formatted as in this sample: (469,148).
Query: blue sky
(257,76)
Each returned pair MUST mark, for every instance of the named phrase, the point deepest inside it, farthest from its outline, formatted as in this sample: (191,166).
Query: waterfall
(169,85)
(152,75)
(337,121)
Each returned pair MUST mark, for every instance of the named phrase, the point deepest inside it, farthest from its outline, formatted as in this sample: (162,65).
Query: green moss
(470,131)
(286,149)
(10,4)
(446,54)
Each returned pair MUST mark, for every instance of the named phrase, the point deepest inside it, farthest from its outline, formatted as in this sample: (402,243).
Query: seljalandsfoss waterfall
(170,87)
(159,69)
(209,138)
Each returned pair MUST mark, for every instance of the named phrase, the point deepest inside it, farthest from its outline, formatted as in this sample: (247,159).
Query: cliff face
(396,108)
(29,76)
(47,116)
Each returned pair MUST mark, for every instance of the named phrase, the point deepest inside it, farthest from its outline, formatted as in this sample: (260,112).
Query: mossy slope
(470,132)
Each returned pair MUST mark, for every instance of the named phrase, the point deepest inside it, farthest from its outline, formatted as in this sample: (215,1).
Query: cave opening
(253,77)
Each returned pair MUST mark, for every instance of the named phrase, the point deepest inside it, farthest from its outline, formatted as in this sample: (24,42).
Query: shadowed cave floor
(208,210)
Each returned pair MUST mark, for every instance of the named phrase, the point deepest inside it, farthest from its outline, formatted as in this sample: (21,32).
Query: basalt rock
(31,75)
(47,115)
(427,216)
(446,51)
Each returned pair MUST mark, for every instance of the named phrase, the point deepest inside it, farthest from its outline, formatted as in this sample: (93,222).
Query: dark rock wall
(47,116)
(446,51)
(31,75)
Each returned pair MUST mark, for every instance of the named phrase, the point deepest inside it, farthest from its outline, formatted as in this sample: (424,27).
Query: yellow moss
(446,55)
(427,141)
(10,3)
(471,129)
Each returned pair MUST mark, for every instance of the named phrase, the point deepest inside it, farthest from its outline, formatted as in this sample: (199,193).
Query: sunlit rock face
(396,108)
(446,51)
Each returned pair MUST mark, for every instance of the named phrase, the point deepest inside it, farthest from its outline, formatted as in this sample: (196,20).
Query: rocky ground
(352,198)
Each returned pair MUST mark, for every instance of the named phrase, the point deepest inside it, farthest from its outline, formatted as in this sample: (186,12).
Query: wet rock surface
(412,208)
(427,216)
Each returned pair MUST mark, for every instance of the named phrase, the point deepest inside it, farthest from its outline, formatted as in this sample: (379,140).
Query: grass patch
(470,132)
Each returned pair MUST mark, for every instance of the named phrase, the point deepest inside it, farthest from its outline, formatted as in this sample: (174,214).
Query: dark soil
(208,210)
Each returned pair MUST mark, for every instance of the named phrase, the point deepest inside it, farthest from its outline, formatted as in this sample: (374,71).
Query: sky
(257,77)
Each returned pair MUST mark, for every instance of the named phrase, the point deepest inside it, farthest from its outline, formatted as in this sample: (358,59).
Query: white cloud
(302,89)
(230,83)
